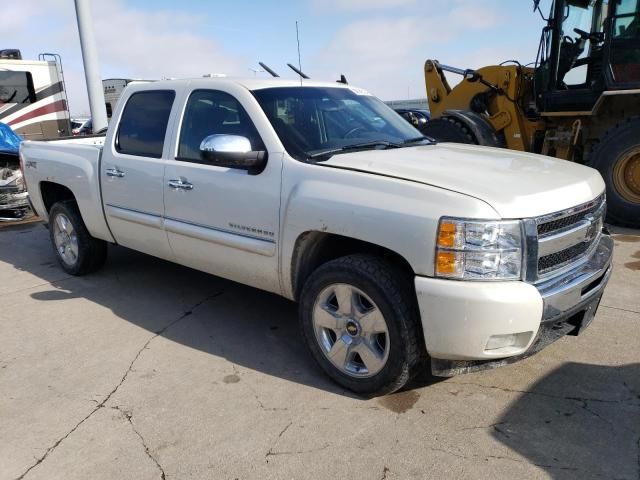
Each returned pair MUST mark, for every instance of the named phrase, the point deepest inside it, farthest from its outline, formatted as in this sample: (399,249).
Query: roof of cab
(252,83)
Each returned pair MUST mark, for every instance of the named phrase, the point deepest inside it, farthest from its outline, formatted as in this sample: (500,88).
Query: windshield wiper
(416,140)
(355,147)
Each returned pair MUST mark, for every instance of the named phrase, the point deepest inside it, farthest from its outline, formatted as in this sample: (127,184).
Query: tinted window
(144,123)
(625,47)
(16,87)
(310,120)
(211,112)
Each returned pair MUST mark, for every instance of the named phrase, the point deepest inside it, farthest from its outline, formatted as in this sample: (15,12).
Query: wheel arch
(52,192)
(90,208)
(314,248)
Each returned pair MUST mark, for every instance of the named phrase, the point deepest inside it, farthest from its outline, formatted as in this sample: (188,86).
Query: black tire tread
(447,129)
(599,151)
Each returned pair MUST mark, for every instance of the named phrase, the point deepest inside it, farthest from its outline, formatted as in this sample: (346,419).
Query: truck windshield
(315,123)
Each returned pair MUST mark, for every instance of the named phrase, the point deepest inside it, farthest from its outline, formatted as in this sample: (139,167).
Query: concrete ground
(149,370)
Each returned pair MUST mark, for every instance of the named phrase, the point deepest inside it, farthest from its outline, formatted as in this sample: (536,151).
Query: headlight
(11,178)
(476,250)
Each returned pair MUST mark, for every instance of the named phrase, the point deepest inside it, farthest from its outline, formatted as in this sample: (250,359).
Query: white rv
(113,88)
(33,100)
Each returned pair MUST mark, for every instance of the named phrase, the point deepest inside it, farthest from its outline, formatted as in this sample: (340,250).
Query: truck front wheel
(77,251)
(359,319)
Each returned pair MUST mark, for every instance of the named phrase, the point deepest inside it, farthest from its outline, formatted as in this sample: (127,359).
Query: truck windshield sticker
(360,91)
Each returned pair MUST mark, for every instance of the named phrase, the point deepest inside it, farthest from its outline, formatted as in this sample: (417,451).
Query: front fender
(399,215)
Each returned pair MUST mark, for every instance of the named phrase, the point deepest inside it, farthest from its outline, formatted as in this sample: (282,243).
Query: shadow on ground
(248,327)
(578,421)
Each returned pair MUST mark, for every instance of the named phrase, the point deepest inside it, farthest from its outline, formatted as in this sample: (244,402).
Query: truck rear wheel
(77,251)
(359,320)
(617,158)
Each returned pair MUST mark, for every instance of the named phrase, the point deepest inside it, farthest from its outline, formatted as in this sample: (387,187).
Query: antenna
(299,72)
(268,70)
(343,80)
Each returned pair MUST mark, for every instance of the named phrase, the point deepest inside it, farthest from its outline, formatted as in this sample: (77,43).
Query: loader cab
(587,47)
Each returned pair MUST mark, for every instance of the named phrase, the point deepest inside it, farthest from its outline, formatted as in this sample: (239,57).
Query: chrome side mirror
(232,151)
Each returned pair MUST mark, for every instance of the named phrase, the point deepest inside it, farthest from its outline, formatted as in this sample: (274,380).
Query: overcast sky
(380,45)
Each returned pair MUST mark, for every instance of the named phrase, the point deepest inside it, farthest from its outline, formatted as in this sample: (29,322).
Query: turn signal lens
(449,264)
(447,234)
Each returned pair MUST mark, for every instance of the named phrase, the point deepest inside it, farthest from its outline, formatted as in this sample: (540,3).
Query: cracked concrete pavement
(151,370)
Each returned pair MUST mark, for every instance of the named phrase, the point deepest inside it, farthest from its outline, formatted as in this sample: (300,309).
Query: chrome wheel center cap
(353,328)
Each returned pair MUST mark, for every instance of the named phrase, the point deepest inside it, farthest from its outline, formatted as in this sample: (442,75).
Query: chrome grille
(558,259)
(560,240)
(559,224)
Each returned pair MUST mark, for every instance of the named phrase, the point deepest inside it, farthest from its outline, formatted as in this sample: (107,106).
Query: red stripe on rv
(59,106)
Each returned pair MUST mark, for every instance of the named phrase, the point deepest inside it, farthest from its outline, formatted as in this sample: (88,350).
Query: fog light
(509,341)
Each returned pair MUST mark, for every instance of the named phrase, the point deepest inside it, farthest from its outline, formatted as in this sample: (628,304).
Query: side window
(143,124)
(16,87)
(211,112)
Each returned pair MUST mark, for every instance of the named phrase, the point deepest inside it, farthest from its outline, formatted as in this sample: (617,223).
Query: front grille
(559,259)
(555,225)
(551,226)
(564,238)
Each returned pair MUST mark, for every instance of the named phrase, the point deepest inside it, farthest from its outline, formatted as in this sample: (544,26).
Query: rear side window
(143,124)
(16,87)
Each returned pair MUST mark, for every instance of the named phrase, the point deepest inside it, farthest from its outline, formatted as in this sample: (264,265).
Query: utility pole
(91,65)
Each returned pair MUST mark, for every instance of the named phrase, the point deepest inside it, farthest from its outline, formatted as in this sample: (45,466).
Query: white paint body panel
(516,184)
(73,163)
(246,228)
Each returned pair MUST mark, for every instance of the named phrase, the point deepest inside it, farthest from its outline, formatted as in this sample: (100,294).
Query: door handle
(114,172)
(181,183)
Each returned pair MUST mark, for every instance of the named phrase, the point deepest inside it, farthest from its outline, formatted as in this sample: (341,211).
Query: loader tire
(448,130)
(617,157)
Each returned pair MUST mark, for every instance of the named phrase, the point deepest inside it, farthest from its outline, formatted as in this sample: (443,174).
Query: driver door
(222,220)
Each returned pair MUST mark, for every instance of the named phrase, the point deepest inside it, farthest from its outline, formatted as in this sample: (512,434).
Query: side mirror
(232,151)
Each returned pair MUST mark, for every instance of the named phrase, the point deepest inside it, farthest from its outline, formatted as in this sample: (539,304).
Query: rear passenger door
(132,172)
(222,220)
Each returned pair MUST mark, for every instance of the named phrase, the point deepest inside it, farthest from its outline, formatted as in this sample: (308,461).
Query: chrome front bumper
(576,289)
(13,206)
(9,201)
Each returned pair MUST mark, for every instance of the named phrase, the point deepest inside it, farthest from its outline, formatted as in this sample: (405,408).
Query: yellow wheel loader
(580,100)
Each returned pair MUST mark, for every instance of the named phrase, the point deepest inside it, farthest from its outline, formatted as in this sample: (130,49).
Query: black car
(416,117)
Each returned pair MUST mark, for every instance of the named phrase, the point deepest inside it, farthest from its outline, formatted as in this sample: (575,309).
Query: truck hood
(515,184)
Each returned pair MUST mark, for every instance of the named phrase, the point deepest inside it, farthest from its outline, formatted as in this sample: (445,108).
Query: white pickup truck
(399,250)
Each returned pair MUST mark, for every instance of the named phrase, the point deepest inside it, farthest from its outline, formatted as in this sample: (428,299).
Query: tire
(76,250)
(448,130)
(377,291)
(617,157)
